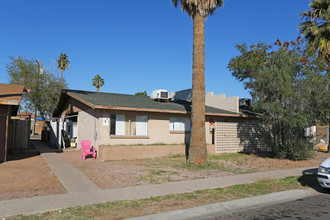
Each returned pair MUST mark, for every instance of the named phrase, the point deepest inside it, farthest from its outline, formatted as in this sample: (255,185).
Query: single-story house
(10,98)
(109,119)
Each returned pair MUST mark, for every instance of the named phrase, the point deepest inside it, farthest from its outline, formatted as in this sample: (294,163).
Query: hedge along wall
(142,152)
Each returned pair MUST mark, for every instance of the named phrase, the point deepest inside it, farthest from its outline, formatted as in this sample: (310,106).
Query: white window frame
(179,124)
(141,125)
(120,124)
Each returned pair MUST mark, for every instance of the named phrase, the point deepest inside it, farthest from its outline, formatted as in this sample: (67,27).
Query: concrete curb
(231,206)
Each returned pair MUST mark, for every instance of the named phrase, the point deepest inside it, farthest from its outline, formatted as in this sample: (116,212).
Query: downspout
(95,128)
(6,139)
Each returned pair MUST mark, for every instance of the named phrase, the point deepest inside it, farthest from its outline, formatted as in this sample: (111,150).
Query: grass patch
(157,176)
(209,165)
(174,162)
(178,162)
(139,207)
(226,156)
(177,156)
(213,165)
(82,168)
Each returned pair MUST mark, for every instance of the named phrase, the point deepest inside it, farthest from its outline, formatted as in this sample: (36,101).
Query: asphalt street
(313,207)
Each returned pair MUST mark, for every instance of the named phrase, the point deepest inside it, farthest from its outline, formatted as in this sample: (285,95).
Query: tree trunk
(197,149)
(35,107)
(327,129)
(62,70)
(34,121)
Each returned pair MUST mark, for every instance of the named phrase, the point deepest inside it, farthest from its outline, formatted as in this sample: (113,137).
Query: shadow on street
(309,178)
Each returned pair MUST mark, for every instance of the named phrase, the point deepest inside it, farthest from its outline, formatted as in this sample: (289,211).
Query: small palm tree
(316,27)
(63,63)
(198,10)
(98,82)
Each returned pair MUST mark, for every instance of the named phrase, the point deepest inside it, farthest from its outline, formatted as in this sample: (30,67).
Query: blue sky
(139,45)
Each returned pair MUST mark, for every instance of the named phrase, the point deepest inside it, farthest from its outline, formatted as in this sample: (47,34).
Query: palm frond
(315,26)
(203,7)
(63,61)
(98,81)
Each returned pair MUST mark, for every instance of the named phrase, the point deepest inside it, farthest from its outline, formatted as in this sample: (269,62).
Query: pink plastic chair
(87,150)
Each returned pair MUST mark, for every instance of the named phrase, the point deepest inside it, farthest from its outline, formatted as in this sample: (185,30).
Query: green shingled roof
(136,101)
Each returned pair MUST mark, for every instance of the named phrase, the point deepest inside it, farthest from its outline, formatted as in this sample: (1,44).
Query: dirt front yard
(118,174)
(27,175)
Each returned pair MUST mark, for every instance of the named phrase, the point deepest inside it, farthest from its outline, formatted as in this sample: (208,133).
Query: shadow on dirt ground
(44,147)
(21,155)
(32,151)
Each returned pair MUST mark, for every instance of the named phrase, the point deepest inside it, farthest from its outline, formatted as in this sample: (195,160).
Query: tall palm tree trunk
(197,149)
(327,130)
(62,73)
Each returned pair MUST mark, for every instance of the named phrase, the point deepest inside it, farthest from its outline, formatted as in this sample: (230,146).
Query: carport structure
(10,98)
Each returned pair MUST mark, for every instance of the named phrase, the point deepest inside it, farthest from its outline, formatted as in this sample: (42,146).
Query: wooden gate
(19,134)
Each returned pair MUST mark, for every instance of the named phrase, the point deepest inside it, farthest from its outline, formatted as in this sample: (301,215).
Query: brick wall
(233,137)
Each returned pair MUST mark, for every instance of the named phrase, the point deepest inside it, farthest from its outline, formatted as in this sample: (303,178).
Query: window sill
(179,132)
(128,137)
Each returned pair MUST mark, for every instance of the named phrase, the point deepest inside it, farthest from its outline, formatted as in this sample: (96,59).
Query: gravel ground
(27,175)
(118,174)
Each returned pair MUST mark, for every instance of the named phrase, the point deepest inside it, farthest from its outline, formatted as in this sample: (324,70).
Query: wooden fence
(19,133)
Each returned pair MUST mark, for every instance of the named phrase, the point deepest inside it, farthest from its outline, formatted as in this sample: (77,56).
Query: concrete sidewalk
(70,177)
(81,191)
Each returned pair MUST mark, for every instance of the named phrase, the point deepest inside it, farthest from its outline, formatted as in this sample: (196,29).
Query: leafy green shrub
(294,145)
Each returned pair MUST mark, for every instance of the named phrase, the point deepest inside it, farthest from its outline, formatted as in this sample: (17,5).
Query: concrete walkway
(81,191)
(70,177)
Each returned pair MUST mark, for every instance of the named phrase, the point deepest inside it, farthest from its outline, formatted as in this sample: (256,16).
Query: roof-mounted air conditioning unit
(245,103)
(159,94)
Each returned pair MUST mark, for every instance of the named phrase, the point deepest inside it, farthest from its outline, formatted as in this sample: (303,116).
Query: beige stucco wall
(158,131)
(87,126)
(141,152)
(220,101)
